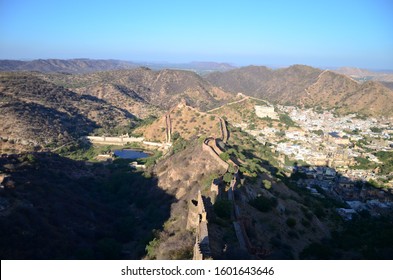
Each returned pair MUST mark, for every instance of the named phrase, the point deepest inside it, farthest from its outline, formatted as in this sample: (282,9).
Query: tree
(175,135)
(227,177)
(224,156)
(284,118)
(375,129)
(31,158)
(252,126)
(280,133)
(318,132)
(152,247)
(179,144)
(231,169)
(267,184)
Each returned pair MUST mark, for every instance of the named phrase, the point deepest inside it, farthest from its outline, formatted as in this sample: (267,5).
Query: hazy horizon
(171,63)
(276,34)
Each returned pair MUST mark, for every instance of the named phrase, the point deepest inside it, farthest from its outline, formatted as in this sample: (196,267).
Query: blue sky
(273,32)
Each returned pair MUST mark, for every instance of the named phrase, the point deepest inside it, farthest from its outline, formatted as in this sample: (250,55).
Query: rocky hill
(37,113)
(53,109)
(108,86)
(143,91)
(332,90)
(282,85)
(297,85)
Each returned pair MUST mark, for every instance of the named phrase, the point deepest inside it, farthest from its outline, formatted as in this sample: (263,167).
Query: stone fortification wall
(214,154)
(224,130)
(123,141)
(156,144)
(118,140)
(168,124)
(202,244)
(197,255)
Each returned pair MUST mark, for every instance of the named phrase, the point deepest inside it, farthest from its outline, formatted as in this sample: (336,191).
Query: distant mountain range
(355,72)
(82,65)
(66,66)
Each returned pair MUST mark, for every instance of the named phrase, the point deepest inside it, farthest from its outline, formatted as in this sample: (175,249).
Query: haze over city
(275,33)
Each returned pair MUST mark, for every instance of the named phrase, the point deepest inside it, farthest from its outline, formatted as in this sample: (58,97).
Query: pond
(130,154)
